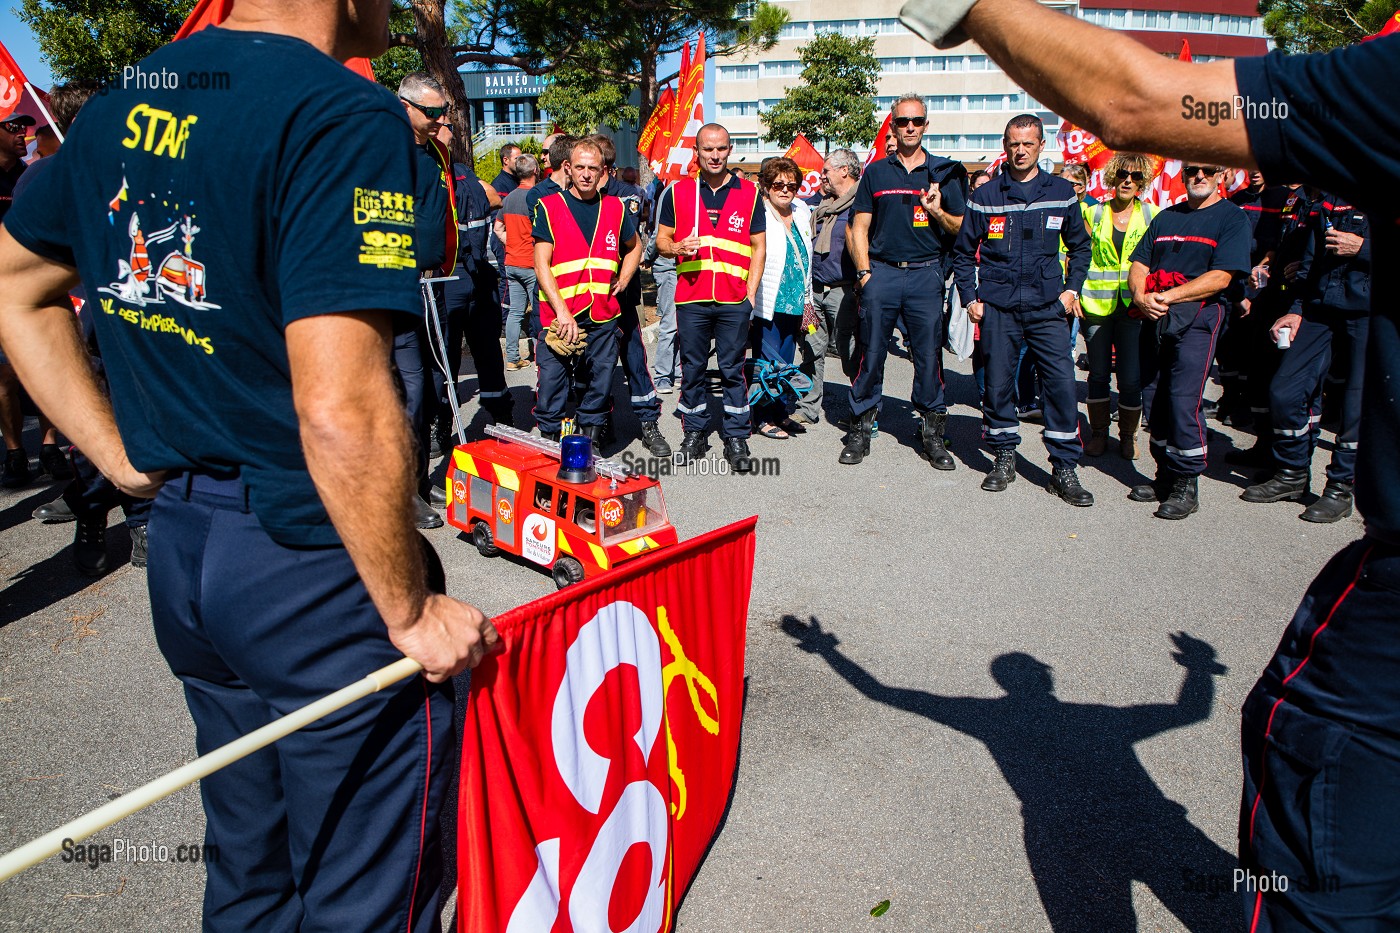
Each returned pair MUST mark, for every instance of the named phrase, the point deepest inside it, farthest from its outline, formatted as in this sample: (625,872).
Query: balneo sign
(511,83)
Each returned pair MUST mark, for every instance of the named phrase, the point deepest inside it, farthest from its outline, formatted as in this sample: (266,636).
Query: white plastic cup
(1285,338)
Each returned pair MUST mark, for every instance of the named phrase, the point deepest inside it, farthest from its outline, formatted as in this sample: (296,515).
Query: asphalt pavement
(994,711)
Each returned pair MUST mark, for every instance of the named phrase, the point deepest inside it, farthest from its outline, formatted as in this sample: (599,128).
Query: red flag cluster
(601,743)
(809,162)
(667,142)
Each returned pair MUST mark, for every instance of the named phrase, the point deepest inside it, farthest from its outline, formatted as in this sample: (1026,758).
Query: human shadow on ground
(1094,820)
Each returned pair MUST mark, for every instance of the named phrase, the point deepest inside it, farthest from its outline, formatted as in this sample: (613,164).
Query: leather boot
(1065,484)
(1283,485)
(1332,506)
(1181,502)
(1128,421)
(932,437)
(858,439)
(1098,428)
(1003,472)
(1155,491)
(693,446)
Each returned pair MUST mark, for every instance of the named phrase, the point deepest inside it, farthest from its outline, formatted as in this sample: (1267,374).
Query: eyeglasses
(13,126)
(902,122)
(1191,171)
(1123,175)
(432,113)
(784,186)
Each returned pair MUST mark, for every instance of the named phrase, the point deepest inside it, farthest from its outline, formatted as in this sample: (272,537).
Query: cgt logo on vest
(996,228)
(612,240)
(736,222)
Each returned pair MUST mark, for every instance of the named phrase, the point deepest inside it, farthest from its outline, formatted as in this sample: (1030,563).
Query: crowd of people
(283,415)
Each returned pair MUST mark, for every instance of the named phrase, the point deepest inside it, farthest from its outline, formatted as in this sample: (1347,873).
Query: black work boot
(16,472)
(424,515)
(694,445)
(54,513)
(1181,501)
(55,462)
(594,432)
(653,440)
(736,451)
(1155,491)
(1332,506)
(139,546)
(937,455)
(90,546)
(1283,485)
(858,439)
(1065,484)
(1003,472)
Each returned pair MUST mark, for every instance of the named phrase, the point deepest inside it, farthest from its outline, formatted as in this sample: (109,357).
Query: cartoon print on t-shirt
(179,276)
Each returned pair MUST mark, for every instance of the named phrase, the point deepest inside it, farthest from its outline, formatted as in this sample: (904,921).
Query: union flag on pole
(654,142)
(810,162)
(600,744)
(1391,25)
(688,117)
(882,138)
(214,12)
(17,96)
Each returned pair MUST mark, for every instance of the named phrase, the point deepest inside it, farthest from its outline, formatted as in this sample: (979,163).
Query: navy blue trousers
(646,404)
(471,307)
(919,294)
(1177,351)
(1295,394)
(1320,738)
(590,372)
(1044,333)
(699,326)
(91,495)
(410,362)
(336,826)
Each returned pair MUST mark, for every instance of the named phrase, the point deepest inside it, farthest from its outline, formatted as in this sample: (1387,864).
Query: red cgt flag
(877,148)
(810,162)
(17,96)
(687,119)
(214,12)
(1392,25)
(655,138)
(600,745)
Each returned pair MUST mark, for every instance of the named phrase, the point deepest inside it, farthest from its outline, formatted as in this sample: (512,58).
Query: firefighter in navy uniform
(1258,201)
(1284,242)
(646,403)
(1021,295)
(1330,323)
(907,208)
(586,252)
(1320,735)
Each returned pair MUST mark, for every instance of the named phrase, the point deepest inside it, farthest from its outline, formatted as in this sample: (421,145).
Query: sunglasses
(1135,176)
(432,113)
(902,122)
(13,126)
(784,186)
(1191,171)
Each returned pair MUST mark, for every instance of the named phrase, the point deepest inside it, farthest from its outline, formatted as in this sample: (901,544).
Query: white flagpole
(52,122)
(32,853)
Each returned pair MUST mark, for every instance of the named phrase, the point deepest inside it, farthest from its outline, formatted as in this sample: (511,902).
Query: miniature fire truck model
(554,503)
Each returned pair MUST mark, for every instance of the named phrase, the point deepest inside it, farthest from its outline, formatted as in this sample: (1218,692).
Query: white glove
(937,21)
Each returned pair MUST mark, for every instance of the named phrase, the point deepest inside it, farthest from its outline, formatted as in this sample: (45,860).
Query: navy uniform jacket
(1019,244)
(473,210)
(1336,283)
(633,198)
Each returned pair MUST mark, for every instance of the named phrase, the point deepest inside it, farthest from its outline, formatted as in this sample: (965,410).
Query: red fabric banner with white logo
(809,162)
(687,118)
(600,744)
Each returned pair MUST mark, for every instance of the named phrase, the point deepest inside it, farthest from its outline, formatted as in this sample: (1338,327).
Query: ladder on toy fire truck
(613,469)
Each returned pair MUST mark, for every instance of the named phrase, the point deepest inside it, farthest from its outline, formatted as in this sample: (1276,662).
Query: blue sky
(20,41)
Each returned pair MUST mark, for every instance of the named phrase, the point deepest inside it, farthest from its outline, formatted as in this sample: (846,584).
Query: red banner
(600,745)
(653,142)
(687,119)
(877,148)
(810,162)
(15,97)
(214,12)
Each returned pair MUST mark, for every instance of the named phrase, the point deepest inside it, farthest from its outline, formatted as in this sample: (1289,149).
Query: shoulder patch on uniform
(632,205)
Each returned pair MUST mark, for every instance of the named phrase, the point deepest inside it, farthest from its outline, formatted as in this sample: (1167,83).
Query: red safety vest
(444,160)
(584,270)
(719,273)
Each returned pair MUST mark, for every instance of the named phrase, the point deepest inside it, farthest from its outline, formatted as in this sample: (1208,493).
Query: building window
(745,143)
(895,65)
(740,108)
(796,31)
(737,73)
(784,69)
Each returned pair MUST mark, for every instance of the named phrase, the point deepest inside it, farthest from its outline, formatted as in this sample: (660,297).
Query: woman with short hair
(785,292)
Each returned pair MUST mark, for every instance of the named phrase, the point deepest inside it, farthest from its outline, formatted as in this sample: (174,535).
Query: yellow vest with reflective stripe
(1108,271)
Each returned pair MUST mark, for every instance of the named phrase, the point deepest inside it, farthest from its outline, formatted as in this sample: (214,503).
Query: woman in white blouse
(785,292)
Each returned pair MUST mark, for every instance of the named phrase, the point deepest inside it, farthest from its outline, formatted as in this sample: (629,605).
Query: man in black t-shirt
(1181,269)
(245,320)
(1323,722)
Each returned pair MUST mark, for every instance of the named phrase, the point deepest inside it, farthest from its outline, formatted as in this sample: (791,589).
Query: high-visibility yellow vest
(1108,271)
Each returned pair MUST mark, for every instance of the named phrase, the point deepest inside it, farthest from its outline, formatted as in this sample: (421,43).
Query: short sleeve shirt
(1194,242)
(586,216)
(515,215)
(199,241)
(713,201)
(1337,138)
(900,228)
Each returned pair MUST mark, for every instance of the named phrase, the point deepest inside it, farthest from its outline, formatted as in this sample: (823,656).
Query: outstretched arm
(1193,701)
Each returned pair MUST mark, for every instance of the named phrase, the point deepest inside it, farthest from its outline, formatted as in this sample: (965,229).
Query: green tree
(835,100)
(1320,25)
(93,40)
(399,60)
(579,102)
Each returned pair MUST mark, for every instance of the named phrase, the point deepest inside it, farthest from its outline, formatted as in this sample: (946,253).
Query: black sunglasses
(784,186)
(1191,171)
(1123,175)
(432,113)
(902,122)
(13,126)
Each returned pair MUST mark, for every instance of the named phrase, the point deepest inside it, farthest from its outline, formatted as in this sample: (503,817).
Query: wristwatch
(861,273)
(937,21)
